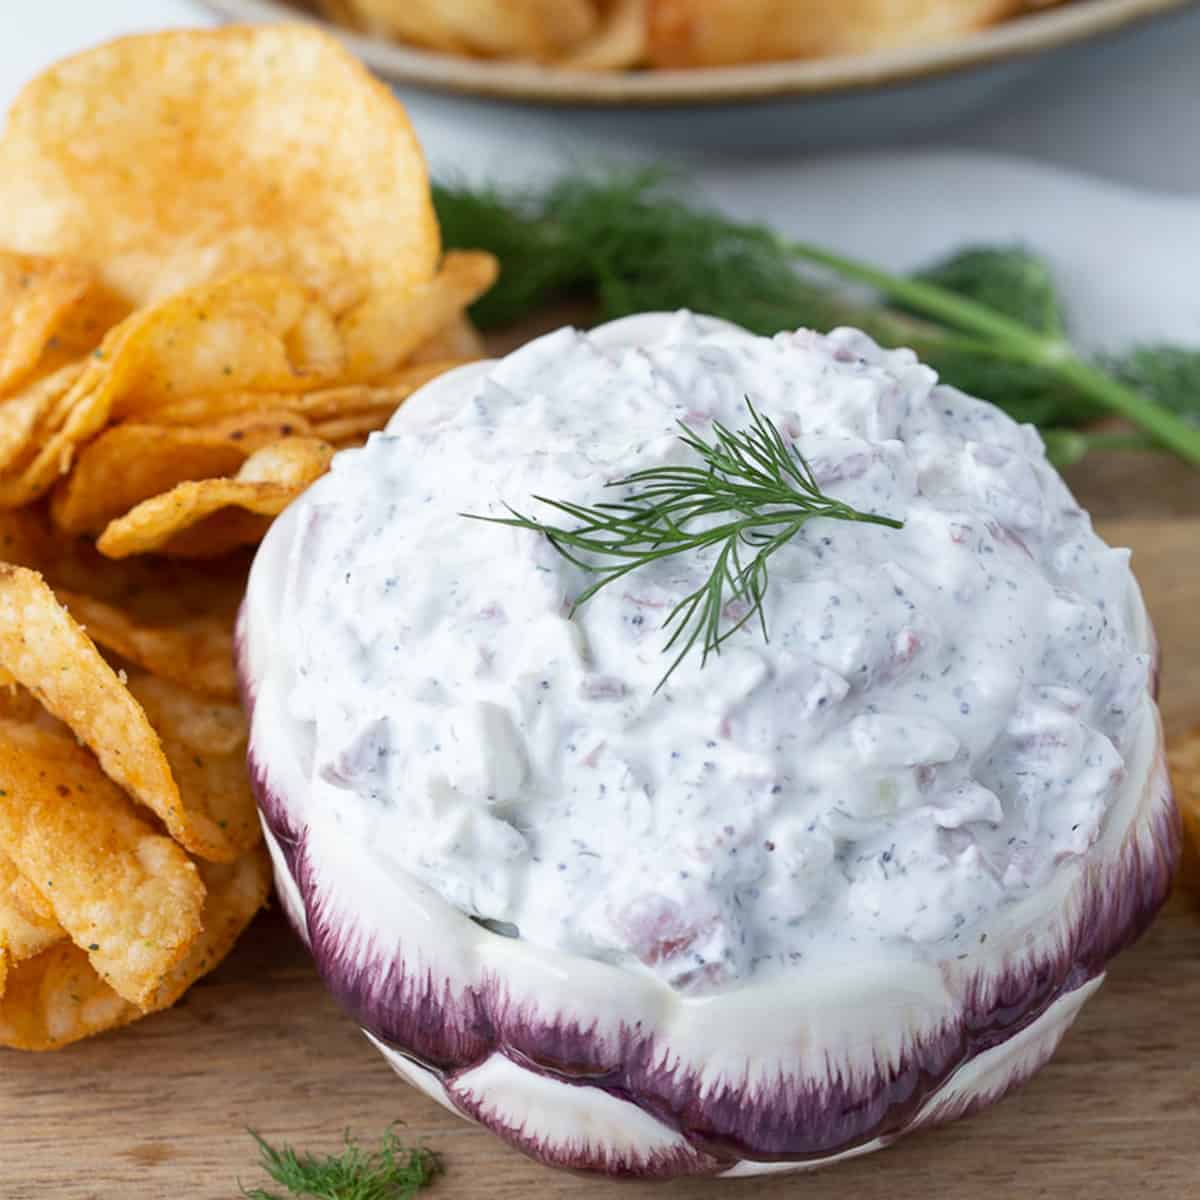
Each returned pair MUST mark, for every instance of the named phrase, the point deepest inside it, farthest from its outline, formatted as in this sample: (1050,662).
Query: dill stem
(1114,440)
(1010,339)
(958,311)
(1167,429)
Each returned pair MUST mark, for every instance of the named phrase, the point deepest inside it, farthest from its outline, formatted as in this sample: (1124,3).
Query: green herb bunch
(989,320)
(391,1172)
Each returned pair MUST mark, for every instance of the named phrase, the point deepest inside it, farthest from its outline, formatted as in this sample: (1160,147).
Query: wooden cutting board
(160,1110)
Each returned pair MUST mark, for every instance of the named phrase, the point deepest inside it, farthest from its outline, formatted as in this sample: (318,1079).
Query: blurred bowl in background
(806,104)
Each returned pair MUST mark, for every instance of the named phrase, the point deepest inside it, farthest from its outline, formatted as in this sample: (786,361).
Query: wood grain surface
(160,1110)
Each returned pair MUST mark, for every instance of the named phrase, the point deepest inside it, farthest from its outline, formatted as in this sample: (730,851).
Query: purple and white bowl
(570,1032)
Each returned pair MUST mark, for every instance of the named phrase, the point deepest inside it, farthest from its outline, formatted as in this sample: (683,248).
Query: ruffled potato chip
(266,484)
(205,743)
(248,178)
(35,295)
(125,893)
(236,891)
(46,651)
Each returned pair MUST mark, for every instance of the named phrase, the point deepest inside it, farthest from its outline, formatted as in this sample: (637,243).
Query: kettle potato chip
(29,413)
(464,276)
(16,702)
(323,209)
(26,538)
(351,430)
(245,332)
(618,43)
(124,892)
(318,405)
(200,291)
(459,340)
(267,483)
(46,651)
(83,414)
(1183,759)
(249,331)
(156,592)
(217,535)
(81,329)
(205,743)
(27,923)
(57,998)
(235,892)
(130,463)
(35,293)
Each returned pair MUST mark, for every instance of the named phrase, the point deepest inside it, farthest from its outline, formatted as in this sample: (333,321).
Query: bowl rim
(711,86)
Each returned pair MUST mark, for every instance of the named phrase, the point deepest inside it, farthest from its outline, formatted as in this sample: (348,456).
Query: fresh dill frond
(391,1172)
(988,319)
(541,257)
(1014,282)
(1169,375)
(750,495)
(629,241)
(1007,279)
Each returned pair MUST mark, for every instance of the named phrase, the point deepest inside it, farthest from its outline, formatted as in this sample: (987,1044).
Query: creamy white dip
(940,717)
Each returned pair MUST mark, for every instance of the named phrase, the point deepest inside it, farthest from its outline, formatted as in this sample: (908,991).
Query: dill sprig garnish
(391,1172)
(752,494)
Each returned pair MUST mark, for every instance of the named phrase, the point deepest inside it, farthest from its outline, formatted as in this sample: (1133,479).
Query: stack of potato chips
(219,264)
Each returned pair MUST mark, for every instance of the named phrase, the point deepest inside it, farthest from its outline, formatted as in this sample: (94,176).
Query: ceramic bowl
(874,97)
(587,1065)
